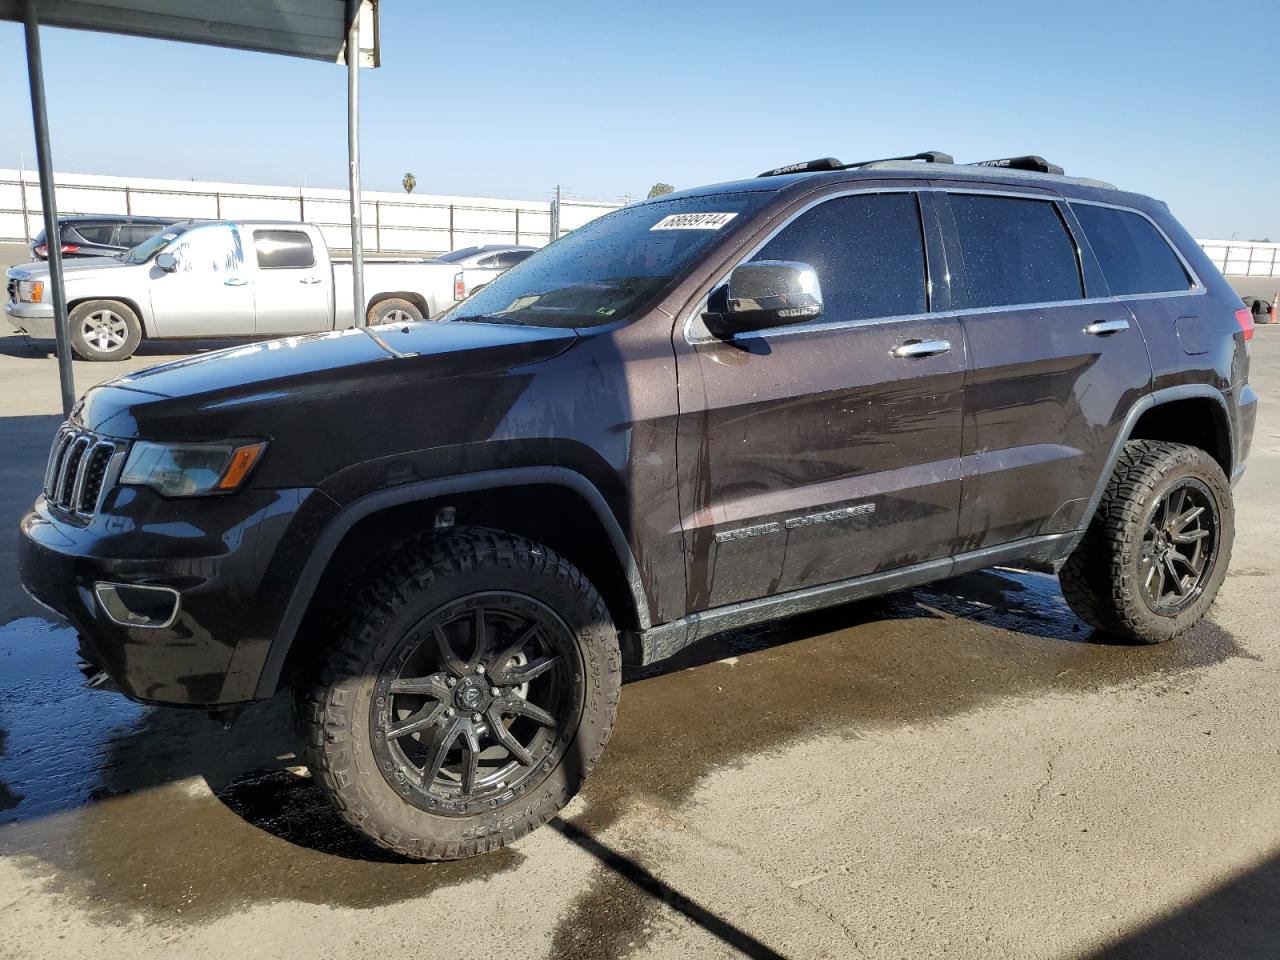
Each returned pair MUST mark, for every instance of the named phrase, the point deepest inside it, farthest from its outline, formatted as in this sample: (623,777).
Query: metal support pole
(53,238)
(353,151)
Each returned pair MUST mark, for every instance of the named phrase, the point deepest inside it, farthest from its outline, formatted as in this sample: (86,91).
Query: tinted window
(95,232)
(868,251)
(283,249)
(487,263)
(511,258)
(1015,251)
(133,234)
(1133,255)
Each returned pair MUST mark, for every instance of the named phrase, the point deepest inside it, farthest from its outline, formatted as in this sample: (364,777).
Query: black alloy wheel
(477,704)
(1179,547)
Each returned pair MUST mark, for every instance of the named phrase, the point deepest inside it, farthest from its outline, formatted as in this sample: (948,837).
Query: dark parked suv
(710,409)
(99,235)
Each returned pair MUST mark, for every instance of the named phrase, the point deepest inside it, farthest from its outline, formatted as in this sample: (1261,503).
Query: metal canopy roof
(313,29)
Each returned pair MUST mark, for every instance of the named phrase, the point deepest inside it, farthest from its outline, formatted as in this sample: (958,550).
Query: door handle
(1104,327)
(921,348)
(309,280)
(235,282)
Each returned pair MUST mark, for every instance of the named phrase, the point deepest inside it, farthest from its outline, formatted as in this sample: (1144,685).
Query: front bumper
(33,319)
(230,560)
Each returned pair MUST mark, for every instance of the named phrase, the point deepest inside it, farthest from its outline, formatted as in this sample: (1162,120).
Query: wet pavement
(880,779)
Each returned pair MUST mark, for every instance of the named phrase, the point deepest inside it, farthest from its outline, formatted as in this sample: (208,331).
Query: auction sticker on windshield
(693,221)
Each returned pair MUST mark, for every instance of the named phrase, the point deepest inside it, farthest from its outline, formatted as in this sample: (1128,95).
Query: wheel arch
(127,301)
(417,299)
(1155,416)
(490,498)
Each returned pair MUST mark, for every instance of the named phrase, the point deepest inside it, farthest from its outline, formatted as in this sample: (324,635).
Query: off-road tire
(412,582)
(1101,581)
(381,311)
(112,312)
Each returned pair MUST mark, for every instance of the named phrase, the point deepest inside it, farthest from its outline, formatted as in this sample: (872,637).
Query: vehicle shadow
(1237,919)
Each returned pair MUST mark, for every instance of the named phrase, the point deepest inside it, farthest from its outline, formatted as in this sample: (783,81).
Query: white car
(476,266)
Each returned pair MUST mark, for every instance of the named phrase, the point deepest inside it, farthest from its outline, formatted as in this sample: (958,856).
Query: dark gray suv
(709,409)
(99,235)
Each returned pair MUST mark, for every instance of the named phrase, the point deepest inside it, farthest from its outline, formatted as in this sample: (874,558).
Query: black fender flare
(1187,391)
(357,510)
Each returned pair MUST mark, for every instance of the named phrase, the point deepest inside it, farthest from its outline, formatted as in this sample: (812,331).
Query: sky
(508,99)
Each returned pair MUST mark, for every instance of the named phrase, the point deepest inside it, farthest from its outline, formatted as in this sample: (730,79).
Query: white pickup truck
(222,279)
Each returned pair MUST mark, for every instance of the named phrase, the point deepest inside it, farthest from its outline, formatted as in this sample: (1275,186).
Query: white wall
(393,222)
(1236,258)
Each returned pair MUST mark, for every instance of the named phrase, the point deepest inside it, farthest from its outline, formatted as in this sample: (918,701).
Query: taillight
(42,249)
(70,248)
(459,287)
(1244,317)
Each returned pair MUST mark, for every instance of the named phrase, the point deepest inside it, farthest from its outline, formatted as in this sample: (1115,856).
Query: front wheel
(471,688)
(1156,551)
(104,330)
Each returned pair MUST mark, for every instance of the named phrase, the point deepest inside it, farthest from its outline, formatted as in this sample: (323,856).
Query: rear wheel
(104,330)
(1157,550)
(394,310)
(471,688)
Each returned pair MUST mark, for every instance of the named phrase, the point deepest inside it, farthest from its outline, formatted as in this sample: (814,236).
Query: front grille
(77,472)
(13,290)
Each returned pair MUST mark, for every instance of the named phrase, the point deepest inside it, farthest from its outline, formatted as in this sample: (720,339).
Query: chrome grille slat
(60,443)
(79,464)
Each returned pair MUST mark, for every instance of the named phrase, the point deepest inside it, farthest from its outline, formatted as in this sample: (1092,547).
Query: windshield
(609,268)
(150,247)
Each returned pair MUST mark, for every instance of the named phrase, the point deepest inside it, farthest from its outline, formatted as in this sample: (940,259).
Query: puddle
(136,810)
(160,813)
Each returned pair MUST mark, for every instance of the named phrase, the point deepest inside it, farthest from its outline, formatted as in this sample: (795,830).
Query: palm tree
(409,182)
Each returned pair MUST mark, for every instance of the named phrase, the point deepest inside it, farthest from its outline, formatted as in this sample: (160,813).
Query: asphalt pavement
(959,770)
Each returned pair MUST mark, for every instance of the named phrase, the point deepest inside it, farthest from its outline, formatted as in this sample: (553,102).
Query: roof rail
(805,166)
(928,156)
(1030,162)
(831,163)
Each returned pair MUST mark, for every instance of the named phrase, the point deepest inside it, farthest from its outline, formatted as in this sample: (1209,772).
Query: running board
(658,643)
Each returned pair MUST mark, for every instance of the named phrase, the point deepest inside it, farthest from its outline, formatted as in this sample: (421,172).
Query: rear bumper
(226,562)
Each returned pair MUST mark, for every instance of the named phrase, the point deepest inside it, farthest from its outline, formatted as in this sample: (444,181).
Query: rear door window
(868,252)
(1133,254)
(283,249)
(132,234)
(1016,251)
(96,232)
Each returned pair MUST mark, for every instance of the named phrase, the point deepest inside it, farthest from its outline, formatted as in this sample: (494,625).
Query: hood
(199,394)
(71,268)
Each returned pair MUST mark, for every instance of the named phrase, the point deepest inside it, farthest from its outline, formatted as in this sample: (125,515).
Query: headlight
(31,291)
(190,469)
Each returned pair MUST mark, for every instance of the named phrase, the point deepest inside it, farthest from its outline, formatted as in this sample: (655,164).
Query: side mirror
(166,262)
(765,293)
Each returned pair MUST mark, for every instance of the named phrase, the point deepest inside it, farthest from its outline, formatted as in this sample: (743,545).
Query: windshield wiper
(488,318)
